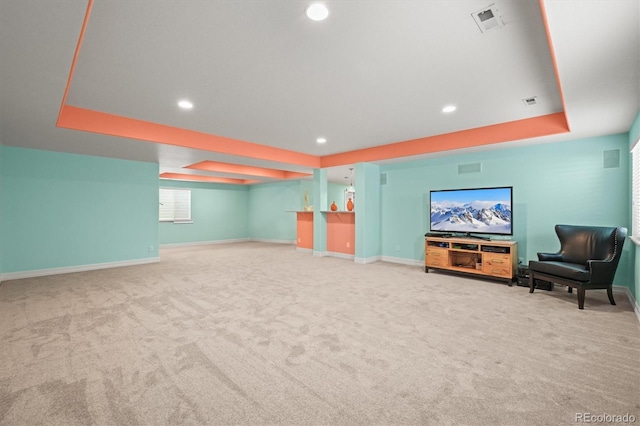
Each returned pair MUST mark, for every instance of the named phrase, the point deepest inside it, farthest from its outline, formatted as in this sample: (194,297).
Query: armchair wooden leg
(580,297)
(532,286)
(610,294)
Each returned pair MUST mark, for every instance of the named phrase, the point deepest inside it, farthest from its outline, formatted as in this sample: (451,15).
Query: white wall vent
(611,159)
(469,168)
(488,18)
(530,101)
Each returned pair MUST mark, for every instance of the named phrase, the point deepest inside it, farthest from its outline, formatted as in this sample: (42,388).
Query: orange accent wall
(304,227)
(341,231)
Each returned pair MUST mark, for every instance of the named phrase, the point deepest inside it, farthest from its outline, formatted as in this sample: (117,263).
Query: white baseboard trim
(632,300)
(333,254)
(71,269)
(340,255)
(403,261)
(262,240)
(235,240)
(365,260)
(304,250)
(205,243)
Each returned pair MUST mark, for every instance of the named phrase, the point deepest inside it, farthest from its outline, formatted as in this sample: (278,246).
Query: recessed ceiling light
(185,104)
(321,140)
(449,108)
(317,12)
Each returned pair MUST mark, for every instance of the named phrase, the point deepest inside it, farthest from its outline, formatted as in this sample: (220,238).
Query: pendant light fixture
(349,192)
(350,188)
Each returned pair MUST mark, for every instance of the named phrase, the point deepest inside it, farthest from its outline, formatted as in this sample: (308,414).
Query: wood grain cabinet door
(437,257)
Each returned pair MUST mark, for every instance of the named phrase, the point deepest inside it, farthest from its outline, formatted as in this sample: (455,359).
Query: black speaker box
(543,285)
(523,280)
(523,271)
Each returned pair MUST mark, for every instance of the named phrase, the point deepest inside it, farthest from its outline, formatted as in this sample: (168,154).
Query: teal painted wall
(320,191)
(305,185)
(367,208)
(272,206)
(270,210)
(219,212)
(553,183)
(634,132)
(61,210)
(335,192)
(225,212)
(634,135)
(1,204)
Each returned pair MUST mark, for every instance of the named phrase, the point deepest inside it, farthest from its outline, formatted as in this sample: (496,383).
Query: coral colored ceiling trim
(239,169)
(72,117)
(511,131)
(75,55)
(77,118)
(552,53)
(200,178)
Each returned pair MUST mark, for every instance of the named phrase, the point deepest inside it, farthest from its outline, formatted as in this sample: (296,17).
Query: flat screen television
(472,211)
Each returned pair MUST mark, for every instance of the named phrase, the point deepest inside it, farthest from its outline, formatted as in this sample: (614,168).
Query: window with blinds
(175,205)
(635,191)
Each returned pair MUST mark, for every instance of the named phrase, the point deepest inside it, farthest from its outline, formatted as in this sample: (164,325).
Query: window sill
(635,239)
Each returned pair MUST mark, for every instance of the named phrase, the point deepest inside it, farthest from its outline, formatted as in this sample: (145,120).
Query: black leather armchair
(588,259)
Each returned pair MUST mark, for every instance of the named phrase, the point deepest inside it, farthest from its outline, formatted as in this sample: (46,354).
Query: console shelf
(492,259)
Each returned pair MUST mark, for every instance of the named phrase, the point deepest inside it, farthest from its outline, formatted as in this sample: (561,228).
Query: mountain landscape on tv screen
(478,216)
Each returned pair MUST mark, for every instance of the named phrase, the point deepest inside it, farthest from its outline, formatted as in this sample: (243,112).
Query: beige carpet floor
(256,334)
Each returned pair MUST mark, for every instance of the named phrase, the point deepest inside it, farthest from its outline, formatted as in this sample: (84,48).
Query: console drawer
(497,264)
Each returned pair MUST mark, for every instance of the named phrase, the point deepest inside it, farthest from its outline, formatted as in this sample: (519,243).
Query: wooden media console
(493,259)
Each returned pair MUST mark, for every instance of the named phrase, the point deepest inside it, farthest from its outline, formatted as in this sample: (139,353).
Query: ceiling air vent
(488,18)
(530,101)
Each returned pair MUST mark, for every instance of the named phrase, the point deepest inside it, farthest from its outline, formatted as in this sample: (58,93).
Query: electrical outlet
(348,244)
(397,248)
(299,240)
(150,249)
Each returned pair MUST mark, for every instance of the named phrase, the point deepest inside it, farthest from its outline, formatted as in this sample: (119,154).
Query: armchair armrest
(602,271)
(554,257)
